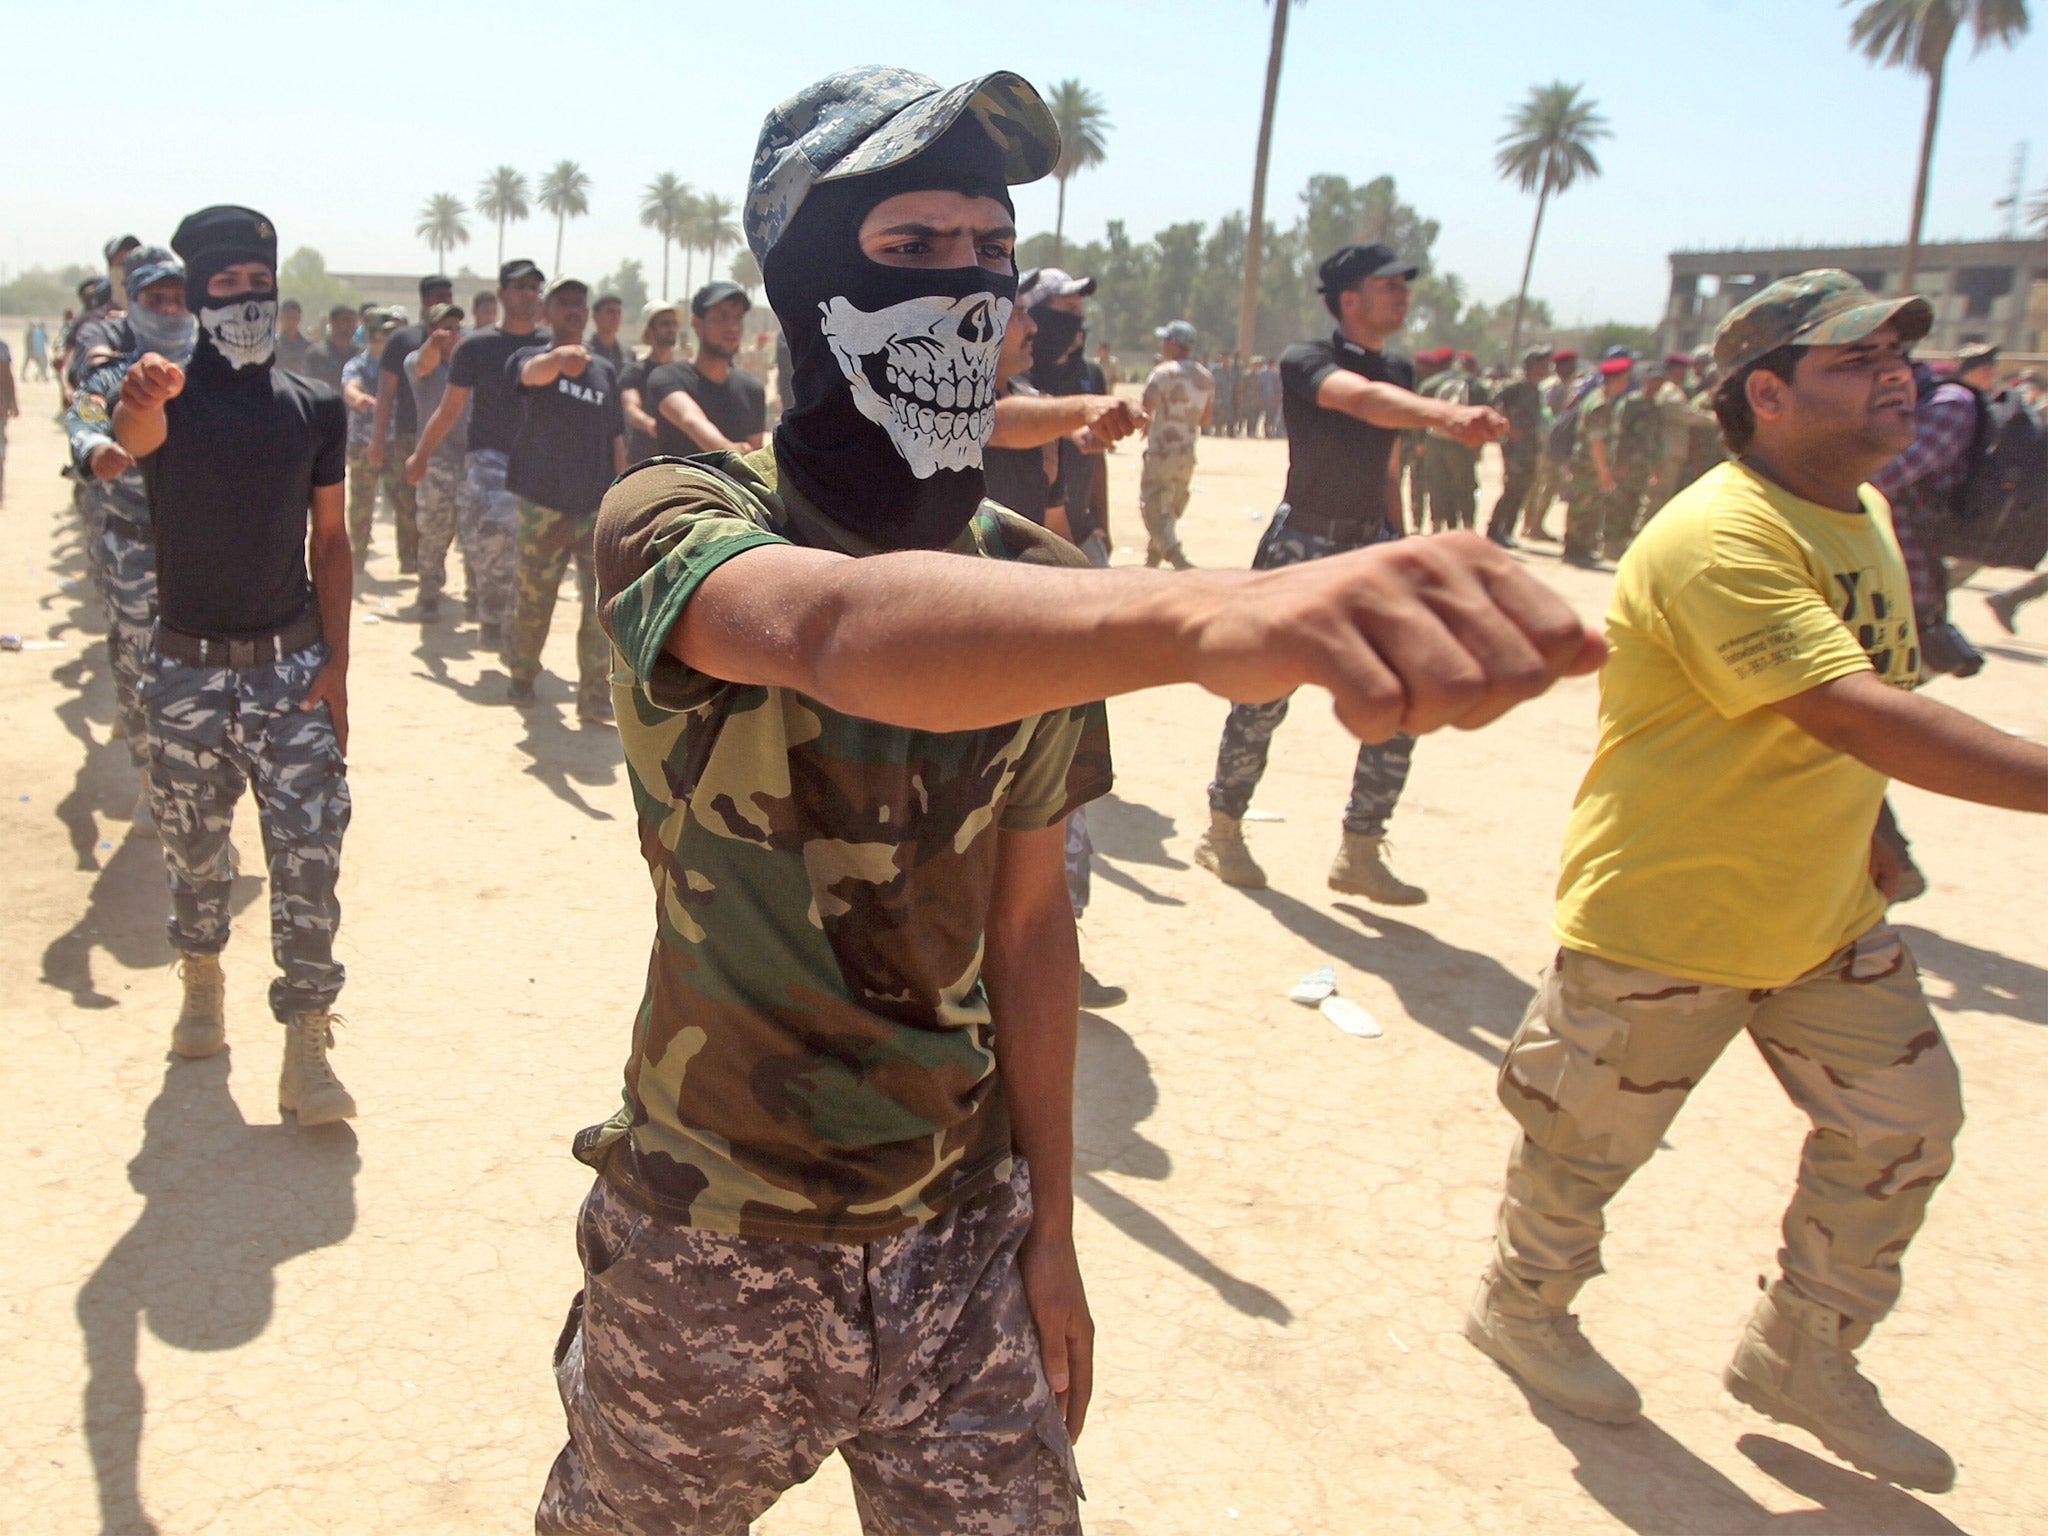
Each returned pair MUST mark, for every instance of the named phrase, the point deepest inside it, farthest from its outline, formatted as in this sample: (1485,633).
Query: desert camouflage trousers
(704,1375)
(124,572)
(363,481)
(1164,481)
(1607,1054)
(1601,522)
(1549,482)
(1381,771)
(214,731)
(487,525)
(398,491)
(548,542)
(434,505)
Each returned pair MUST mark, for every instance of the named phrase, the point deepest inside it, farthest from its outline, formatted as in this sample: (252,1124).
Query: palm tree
(1547,148)
(501,196)
(1255,227)
(564,192)
(1917,34)
(662,205)
(715,228)
(689,222)
(1084,127)
(746,271)
(441,226)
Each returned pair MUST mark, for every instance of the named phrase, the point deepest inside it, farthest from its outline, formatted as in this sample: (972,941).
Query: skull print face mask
(243,329)
(894,373)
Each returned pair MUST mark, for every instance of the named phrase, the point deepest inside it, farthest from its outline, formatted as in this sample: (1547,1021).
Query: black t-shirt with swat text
(479,367)
(401,344)
(737,404)
(562,457)
(1337,464)
(228,495)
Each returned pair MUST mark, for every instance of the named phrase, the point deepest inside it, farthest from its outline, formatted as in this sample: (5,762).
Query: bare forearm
(333,571)
(688,418)
(1385,405)
(1031,421)
(140,432)
(1922,742)
(1033,974)
(538,371)
(636,414)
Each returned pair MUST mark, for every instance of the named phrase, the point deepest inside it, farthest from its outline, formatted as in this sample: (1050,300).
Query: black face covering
(894,368)
(1055,356)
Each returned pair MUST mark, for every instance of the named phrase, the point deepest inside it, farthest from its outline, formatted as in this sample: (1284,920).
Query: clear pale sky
(1734,120)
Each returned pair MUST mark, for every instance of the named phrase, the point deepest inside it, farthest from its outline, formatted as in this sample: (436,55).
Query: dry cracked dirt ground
(211,1322)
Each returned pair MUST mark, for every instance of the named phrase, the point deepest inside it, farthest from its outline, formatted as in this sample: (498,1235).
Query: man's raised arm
(1389,405)
(434,428)
(1407,637)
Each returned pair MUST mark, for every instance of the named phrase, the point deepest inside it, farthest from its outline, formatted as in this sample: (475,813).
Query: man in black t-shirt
(397,425)
(486,513)
(709,404)
(250,662)
(570,444)
(606,316)
(326,358)
(1346,403)
(658,335)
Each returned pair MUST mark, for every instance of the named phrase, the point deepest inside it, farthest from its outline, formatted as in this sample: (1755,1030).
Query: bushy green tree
(40,291)
(630,284)
(304,276)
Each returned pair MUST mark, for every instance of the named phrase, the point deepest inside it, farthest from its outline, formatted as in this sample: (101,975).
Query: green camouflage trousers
(124,571)
(1602,522)
(548,542)
(404,503)
(704,1375)
(1163,485)
(362,499)
(214,731)
(487,525)
(435,504)
(1452,472)
(1607,1055)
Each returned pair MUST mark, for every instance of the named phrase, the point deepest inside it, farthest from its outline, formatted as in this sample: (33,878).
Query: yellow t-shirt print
(1713,838)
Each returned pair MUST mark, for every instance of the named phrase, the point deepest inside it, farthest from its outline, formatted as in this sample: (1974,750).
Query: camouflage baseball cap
(868,119)
(1180,331)
(1822,308)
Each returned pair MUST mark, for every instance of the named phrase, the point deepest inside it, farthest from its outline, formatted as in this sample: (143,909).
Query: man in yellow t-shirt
(1720,876)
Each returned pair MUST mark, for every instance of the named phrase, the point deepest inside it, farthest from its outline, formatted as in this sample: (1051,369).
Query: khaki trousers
(1607,1054)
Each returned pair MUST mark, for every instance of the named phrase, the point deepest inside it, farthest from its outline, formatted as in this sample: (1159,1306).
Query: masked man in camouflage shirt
(835,1208)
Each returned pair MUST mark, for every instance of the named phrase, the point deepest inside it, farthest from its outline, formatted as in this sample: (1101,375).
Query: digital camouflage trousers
(1381,771)
(124,573)
(363,481)
(1164,481)
(435,505)
(549,541)
(1607,1055)
(704,1375)
(214,732)
(487,525)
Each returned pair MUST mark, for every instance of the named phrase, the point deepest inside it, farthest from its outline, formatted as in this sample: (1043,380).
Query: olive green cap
(1823,308)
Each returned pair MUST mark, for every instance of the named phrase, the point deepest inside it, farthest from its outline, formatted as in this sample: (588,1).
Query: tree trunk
(664,268)
(501,240)
(1528,264)
(561,223)
(1934,78)
(1059,228)
(1255,227)
(689,267)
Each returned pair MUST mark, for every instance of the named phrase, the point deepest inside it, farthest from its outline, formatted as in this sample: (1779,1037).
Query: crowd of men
(842,1167)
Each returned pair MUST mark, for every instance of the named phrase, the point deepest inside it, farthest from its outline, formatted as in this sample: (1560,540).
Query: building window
(1981,287)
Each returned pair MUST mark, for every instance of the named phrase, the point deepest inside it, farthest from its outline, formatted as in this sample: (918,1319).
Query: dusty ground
(217,1324)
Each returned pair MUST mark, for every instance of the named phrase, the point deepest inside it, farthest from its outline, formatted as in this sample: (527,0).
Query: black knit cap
(216,238)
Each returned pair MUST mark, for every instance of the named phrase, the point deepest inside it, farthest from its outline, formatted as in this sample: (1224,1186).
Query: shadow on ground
(1113,1092)
(1979,980)
(1127,832)
(1650,1482)
(226,1203)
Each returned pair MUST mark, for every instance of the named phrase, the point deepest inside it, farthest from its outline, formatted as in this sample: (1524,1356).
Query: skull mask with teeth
(244,331)
(924,371)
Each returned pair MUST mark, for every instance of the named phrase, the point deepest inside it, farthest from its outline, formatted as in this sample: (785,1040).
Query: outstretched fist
(151,381)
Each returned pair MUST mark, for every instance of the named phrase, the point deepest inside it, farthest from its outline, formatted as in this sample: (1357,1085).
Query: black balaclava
(1056,360)
(238,336)
(893,371)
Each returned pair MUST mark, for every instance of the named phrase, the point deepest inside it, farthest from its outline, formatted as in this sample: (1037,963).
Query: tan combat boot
(1222,851)
(202,1027)
(1361,870)
(1795,1364)
(307,1086)
(1543,1347)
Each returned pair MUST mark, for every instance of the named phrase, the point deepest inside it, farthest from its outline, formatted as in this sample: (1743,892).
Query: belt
(141,533)
(238,655)
(1342,530)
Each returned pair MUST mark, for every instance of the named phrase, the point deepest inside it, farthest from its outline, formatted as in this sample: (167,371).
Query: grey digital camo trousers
(487,523)
(704,1375)
(124,573)
(1382,768)
(436,515)
(213,732)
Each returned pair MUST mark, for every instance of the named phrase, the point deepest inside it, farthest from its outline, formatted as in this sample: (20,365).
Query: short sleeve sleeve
(330,455)
(1065,766)
(1750,632)
(1303,369)
(462,367)
(661,530)
(757,397)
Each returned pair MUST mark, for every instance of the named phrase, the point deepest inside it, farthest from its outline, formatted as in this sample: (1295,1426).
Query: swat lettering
(583,392)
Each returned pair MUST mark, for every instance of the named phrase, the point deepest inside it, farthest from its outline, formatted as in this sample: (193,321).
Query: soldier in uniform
(1521,401)
(426,375)
(1429,365)
(1593,479)
(834,1209)
(1553,470)
(1450,467)
(361,378)
(123,543)
(248,676)
(1638,446)
(1180,394)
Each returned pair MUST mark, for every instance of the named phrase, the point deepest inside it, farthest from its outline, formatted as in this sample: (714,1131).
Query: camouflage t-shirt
(812,1058)
(1177,394)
